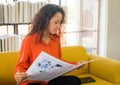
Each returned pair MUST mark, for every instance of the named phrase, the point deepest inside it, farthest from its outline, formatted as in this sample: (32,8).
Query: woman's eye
(56,22)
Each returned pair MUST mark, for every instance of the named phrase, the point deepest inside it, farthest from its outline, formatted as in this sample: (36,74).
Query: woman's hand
(20,76)
(81,64)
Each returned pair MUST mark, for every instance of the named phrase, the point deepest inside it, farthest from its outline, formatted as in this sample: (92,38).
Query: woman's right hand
(20,76)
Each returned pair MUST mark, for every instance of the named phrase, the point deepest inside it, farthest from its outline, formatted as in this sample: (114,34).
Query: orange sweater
(30,50)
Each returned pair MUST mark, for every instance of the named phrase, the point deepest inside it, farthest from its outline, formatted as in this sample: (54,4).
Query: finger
(20,76)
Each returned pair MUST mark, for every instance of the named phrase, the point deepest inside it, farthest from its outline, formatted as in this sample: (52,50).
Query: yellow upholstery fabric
(75,54)
(110,68)
(105,71)
(99,81)
(8,61)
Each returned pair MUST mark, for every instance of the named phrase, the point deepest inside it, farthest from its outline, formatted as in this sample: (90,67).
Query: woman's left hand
(81,64)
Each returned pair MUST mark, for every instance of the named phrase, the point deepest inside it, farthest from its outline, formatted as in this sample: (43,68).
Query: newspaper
(47,67)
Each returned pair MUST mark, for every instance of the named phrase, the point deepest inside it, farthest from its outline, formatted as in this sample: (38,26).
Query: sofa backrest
(8,62)
(75,54)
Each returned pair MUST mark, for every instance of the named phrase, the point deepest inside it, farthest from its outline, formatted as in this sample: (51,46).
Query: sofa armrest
(105,68)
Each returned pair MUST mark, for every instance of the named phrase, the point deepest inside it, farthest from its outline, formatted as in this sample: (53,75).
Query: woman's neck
(46,37)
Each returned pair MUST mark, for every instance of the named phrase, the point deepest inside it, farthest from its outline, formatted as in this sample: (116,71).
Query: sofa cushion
(105,68)
(98,80)
(75,54)
(8,61)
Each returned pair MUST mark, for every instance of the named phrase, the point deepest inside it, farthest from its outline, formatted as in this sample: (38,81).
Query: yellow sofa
(105,71)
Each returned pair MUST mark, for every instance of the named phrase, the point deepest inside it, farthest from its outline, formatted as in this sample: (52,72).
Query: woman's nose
(58,25)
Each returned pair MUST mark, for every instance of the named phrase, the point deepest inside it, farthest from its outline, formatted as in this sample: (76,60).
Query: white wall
(113,31)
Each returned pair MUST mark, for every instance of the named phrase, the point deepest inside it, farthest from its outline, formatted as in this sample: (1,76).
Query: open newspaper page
(47,67)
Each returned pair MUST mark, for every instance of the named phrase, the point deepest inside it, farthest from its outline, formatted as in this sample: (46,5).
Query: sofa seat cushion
(98,81)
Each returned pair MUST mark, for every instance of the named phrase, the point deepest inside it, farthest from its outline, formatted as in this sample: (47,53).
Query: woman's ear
(30,26)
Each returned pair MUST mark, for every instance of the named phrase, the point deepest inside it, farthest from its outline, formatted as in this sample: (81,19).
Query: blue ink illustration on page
(47,65)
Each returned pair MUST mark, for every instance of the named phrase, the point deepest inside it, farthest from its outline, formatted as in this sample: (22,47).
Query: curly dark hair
(42,18)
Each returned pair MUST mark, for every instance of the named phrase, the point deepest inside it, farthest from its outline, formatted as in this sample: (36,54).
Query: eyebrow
(58,20)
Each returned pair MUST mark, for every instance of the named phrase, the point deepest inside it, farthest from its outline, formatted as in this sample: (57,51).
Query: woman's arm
(23,61)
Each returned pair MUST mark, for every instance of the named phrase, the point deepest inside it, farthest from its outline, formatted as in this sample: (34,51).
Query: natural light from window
(81,23)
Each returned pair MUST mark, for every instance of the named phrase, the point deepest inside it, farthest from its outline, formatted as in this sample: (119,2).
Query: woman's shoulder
(30,37)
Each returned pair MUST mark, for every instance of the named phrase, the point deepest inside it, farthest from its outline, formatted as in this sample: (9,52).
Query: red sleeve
(75,63)
(23,60)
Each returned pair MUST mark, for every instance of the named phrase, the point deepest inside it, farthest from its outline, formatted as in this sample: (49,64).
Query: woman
(44,36)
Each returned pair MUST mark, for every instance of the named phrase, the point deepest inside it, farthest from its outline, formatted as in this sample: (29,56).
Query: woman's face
(55,23)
